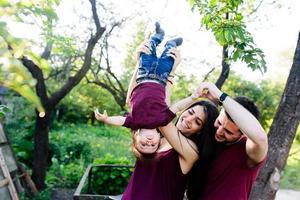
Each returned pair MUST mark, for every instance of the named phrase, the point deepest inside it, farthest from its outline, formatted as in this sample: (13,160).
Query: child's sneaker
(175,42)
(159,32)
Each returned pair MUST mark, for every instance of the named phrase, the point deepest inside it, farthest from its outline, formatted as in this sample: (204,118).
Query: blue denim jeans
(153,68)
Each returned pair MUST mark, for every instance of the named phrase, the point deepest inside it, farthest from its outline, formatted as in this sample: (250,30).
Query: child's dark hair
(206,144)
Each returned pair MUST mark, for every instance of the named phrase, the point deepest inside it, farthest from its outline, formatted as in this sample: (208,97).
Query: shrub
(110,180)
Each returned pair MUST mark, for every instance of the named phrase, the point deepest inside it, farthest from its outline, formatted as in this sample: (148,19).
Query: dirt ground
(62,194)
(287,195)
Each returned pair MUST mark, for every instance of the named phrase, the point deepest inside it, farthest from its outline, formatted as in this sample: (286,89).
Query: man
(243,148)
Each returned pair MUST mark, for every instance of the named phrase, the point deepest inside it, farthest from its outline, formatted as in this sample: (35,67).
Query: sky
(275,30)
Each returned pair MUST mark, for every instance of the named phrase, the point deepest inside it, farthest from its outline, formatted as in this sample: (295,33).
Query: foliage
(225,20)
(110,180)
(79,105)
(43,195)
(291,178)
(65,175)
(19,127)
(101,139)
(12,72)
(3,110)
(183,86)
(74,147)
(131,60)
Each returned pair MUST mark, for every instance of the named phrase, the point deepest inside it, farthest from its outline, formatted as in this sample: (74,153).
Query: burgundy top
(149,108)
(157,179)
(230,178)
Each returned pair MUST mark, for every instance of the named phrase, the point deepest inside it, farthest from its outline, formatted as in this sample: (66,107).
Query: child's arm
(114,120)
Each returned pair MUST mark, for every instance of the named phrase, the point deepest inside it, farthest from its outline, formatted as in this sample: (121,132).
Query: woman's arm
(187,150)
(142,48)
(132,85)
(176,55)
(183,104)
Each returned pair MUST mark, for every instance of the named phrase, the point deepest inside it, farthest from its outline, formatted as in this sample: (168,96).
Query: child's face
(147,140)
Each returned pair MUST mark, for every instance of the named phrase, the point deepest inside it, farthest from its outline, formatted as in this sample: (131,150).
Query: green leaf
(4,3)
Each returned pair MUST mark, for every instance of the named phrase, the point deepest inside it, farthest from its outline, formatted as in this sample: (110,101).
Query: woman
(164,176)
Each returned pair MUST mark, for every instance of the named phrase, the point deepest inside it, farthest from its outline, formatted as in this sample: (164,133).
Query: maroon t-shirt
(149,108)
(230,178)
(158,179)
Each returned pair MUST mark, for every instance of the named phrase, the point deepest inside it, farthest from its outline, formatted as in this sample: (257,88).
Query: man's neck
(234,142)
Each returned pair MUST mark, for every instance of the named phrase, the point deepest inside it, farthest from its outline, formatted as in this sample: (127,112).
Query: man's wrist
(222,98)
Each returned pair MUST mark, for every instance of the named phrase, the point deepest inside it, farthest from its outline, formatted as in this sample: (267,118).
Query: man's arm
(257,143)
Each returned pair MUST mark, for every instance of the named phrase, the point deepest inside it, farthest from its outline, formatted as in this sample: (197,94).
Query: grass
(291,173)
(104,140)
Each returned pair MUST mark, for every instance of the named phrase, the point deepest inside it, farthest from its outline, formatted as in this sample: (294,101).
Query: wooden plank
(6,174)
(3,182)
(9,158)
(3,138)
(81,183)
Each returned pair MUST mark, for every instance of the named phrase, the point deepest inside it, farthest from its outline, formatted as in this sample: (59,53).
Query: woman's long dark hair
(206,144)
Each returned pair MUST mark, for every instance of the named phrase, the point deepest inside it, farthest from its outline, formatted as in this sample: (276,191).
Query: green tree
(102,74)
(225,19)
(50,99)
(13,75)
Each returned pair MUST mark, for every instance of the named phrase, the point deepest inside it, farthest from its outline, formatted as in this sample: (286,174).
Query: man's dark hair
(248,104)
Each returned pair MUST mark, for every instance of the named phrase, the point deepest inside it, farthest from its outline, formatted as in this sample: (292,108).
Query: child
(147,100)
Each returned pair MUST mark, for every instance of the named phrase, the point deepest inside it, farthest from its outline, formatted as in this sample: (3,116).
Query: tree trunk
(225,69)
(281,135)
(41,150)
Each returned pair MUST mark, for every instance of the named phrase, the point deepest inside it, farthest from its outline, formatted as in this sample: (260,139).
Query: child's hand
(101,117)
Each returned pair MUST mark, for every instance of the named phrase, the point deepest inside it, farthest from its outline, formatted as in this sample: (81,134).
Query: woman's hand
(176,55)
(210,91)
(144,47)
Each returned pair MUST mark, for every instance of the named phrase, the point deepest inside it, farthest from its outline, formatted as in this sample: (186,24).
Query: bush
(64,176)
(108,180)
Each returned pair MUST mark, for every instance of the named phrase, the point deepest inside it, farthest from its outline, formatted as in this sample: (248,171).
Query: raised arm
(183,104)
(132,85)
(113,120)
(144,47)
(186,148)
(176,55)
(257,142)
